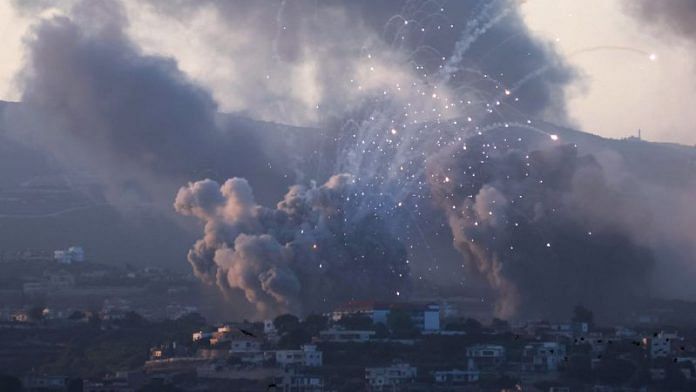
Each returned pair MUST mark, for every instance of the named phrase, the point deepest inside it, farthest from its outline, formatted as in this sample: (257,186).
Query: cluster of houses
(257,355)
(249,352)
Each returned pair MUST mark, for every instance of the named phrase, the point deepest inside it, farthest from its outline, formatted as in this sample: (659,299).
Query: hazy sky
(620,88)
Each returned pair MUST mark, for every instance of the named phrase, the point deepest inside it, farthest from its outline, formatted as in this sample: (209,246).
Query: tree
(381,331)
(286,323)
(314,323)
(472,326)
(500,325)
(295,338)
(401,324)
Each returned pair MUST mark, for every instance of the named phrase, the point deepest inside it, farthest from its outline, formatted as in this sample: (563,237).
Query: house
(74,254)
(166,351)
(201,336)
(426,318)
(486,355)
(543,356)
(294,380)
(245,345)
(455,376)
(662,344)
(45,383)
(345,336)
(387,378)
(307,356)
(119,382)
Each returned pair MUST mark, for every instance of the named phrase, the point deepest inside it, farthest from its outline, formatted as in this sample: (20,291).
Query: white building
(307,356)
(386,378)
(74,254)
(200,335)
(345,336)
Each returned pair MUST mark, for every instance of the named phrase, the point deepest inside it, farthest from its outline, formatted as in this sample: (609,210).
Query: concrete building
(455,376)
(293,380)
(387,378)
(662,344)
(74,254)
(426,318)
(307,356)
(345,336)
(543,356)
(243,345)
(201,336)
(486,355)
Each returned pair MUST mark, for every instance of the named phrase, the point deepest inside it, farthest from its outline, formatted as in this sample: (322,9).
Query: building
(119,382)
(201,336)
(543,356)
(455,376)
(662,344)
(345,336)
(293,380)
(74,254)
(167,351)
(486,355)
(426,318)
(45,383)
(245,345)
(387,378)
(307,356)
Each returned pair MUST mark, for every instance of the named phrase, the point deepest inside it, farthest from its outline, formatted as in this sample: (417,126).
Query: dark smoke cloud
(94,99)
(322,44)
(526,214)
(673,16)
(317,248)
(99,95)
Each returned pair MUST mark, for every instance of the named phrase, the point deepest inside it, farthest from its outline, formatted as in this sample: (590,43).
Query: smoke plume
(318,247)
(673,16)
(525,213)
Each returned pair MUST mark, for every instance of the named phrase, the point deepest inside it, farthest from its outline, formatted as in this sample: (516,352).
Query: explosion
(314,250)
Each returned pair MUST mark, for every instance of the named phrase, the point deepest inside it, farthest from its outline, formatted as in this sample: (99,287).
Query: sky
(630,74)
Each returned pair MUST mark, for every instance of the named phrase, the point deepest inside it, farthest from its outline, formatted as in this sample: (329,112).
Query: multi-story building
(307,356)
(294,380)
(387,378)
(456,376)
(662,344)
(543,356)
(345,336)
(486,355)
(425,317)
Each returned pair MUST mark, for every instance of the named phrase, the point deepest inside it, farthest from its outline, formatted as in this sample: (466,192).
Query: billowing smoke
(672,16)
(318,247)
(96,100)
(528,215)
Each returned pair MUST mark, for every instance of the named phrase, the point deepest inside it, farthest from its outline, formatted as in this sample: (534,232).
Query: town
(112,342)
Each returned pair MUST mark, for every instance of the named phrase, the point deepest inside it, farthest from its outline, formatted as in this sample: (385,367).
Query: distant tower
(639,136)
